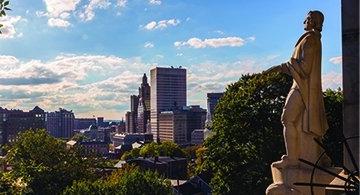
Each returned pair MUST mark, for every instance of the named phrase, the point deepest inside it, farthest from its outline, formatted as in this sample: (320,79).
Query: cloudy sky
(89,55)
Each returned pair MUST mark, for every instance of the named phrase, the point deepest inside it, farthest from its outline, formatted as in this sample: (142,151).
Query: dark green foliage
(129,180)
(44,163)
(3,8)
(333,105)
(248,134)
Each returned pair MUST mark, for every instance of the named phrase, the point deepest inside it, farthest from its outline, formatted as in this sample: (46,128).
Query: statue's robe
(306,73)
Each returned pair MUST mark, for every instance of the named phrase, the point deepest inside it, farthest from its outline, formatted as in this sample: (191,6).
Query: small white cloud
(252,38)
(8,31)
(40,14)
(155,2)
(148,45)
(89,12)
(331,80)
(162,24)
(336,60)
(214,43)
(56,7)
(151,25)
(219,32)
(179,54)
(57,22)
(121,3)
(188,19)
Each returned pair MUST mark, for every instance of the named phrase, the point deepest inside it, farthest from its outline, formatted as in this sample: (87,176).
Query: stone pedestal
(284,179)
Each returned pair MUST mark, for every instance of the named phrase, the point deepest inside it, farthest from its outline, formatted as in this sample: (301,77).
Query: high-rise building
(128,122)
(178,124)
(143,116)
(15,121)
(173,126)
(168,90)
(212,100)
(196,118)
(60,123)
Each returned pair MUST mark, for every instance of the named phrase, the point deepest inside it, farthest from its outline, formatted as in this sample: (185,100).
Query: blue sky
(89,55)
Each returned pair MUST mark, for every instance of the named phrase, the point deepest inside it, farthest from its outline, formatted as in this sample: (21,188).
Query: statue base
(285,177)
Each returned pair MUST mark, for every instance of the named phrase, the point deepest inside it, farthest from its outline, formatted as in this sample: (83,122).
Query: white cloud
(148,45)
(56,7)
(58,12)
(88,14)
(57,22)
(252,38)
(121,3)
(155,2)
(64,82)
(162,24)
(214,43)
(8,30)
(332,80)
(336,60)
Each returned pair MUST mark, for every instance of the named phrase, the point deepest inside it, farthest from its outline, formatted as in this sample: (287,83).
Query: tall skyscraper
(212,100)
(168,90)
(60,123)
(134,103)
(143,116)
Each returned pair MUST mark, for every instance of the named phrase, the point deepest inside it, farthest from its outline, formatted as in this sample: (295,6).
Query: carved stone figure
(304,111)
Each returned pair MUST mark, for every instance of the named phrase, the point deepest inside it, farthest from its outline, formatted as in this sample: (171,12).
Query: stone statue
(303,115)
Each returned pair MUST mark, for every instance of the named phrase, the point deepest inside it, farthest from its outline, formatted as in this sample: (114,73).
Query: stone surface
(350,56)
(284,179)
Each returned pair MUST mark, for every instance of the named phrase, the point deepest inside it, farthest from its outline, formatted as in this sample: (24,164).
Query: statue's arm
(302,66)
(283,68)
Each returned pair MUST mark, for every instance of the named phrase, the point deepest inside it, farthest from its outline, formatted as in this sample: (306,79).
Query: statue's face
(309,23)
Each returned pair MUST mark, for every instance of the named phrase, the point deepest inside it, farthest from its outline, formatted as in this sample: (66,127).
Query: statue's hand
(273,69)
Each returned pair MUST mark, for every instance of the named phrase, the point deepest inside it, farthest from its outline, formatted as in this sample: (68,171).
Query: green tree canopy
(45,164)
(129,180)
(248,133)
(153,149)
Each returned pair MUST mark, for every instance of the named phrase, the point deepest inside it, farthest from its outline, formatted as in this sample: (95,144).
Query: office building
(212,100)
(60,123)
(83,123)
(178,124)
(16,121)
(143,117)
(168,90)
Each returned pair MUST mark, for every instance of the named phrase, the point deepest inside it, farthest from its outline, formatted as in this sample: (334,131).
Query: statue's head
(314,20)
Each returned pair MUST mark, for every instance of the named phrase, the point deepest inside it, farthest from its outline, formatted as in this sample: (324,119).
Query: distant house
(197,185)
(172,168)
(90,147)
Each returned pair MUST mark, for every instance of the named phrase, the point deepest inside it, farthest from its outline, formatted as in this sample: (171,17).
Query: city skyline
(89,56)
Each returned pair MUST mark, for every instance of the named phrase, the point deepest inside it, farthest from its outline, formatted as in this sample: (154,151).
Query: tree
(3,8)
(248,133)
(44,163)
(333,105)
(129,180)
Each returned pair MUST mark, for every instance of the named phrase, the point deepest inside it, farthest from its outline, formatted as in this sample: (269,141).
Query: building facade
(60,124)
(143,117)
(177,125)
(16,121)
(212,100)
(168,90)
(83,123)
